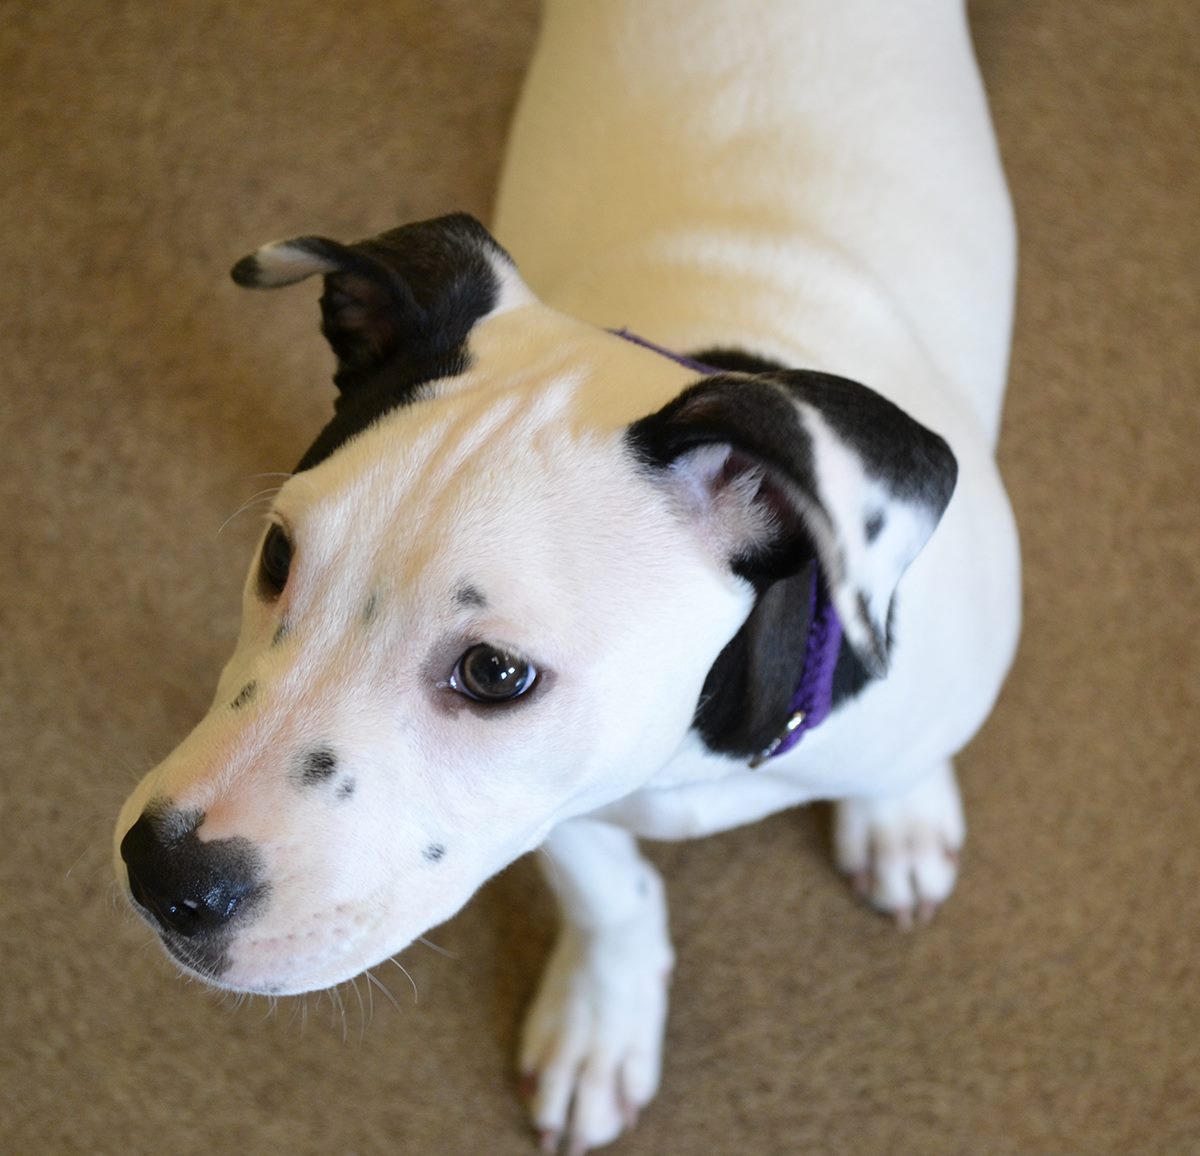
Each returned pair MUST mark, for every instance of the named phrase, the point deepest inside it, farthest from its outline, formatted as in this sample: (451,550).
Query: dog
(707,528)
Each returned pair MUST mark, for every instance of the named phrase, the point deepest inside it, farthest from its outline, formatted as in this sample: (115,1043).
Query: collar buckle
(795,720)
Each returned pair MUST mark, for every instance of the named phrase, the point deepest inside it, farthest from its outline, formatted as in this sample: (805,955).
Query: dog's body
(811,185)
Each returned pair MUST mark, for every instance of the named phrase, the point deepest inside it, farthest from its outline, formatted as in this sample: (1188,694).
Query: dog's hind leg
(591,1050)
(901,851)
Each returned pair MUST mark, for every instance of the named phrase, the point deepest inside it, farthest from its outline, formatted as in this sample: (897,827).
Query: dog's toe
(902,852)
(591,1052)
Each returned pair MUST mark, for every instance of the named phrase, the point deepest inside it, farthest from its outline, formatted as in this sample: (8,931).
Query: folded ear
(781,464)
(413,292)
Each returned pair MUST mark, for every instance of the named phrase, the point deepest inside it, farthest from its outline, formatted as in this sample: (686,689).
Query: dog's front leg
(591,1050)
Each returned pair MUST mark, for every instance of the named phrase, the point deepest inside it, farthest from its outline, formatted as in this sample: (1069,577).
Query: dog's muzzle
(193,892)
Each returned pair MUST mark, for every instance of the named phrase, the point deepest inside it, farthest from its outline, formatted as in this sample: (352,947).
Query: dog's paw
(902,852)
(591,1050)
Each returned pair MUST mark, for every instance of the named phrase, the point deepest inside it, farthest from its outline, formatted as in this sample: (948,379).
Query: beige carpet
(1054,1007)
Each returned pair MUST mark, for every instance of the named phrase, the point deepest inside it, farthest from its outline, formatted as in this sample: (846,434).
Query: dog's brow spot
(281,632)
(370,609)
(346,788)
(468,595)
(434,852)
(317,765)
(245,695)
(874,525)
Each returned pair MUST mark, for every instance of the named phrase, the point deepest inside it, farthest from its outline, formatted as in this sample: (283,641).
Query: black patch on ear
(756,419)
(757,415)
(735,361)
(747,696)
(914,462)
(748,692)
(440,284)
(396,310)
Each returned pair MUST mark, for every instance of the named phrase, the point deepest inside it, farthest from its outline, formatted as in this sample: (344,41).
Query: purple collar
(813,700)
(678,358)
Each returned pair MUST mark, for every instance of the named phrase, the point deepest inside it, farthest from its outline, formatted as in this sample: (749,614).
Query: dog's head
(488,600)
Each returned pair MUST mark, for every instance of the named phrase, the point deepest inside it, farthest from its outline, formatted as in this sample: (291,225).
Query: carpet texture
(1054,1005)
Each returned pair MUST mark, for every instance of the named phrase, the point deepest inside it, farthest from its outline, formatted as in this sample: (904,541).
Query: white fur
(817,183)
(812,182)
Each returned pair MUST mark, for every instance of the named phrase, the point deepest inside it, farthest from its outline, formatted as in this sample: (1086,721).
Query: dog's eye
(488,674)
(276,562)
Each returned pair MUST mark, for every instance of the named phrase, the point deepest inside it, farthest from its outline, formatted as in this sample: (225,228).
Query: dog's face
(487,601)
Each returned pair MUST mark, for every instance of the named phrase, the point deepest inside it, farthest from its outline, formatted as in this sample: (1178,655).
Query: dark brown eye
(275,563)
(486,673)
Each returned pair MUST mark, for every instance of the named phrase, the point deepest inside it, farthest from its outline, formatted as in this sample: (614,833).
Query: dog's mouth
(204,955)
(235,958)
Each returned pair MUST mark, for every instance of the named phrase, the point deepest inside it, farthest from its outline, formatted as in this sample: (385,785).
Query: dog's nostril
(188,886)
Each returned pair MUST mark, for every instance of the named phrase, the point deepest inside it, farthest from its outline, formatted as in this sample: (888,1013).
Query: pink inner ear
(739,506)
(764,490)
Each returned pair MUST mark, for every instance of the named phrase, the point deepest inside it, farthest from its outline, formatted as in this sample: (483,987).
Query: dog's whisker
(339,1009)
(362,1013)
(255,499)
(440,950)
(407,976)
(374,981)
(254,503)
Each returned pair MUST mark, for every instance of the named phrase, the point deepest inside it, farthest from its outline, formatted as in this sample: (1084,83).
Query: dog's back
(816,183)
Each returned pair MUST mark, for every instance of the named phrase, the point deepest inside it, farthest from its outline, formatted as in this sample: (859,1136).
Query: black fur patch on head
(317,765)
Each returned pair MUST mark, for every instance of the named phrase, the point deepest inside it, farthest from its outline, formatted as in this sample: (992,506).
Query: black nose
(189,886)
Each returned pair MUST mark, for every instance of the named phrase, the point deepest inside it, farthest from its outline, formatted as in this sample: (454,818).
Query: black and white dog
(540,582)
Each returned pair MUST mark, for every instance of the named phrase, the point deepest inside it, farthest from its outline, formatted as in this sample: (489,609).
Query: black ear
(792,461)
(412,293)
